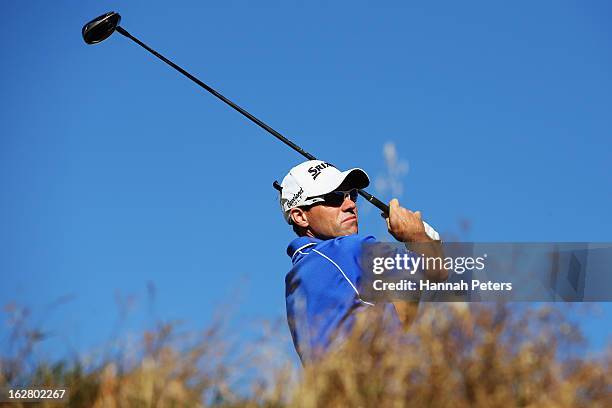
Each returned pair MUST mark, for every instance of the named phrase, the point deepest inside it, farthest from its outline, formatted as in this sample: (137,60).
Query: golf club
(102,27)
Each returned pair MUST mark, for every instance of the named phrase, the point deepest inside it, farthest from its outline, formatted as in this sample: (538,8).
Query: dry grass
(489,356)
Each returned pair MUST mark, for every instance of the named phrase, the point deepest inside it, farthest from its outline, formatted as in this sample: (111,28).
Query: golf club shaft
(369,197)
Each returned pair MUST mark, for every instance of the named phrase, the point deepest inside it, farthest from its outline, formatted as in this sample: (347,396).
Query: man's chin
(351,228)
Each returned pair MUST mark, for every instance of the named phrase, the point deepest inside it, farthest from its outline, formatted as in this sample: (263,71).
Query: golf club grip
(432,233)
(379,204)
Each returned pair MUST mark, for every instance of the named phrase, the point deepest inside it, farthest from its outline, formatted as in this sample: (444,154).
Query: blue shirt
(322,292)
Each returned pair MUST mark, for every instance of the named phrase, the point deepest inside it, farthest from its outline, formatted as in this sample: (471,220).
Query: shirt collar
(300,242)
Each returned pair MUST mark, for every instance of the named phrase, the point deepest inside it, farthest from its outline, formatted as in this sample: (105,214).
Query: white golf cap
(306,182)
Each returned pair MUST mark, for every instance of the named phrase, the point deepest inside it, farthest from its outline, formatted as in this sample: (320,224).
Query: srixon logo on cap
(316,170)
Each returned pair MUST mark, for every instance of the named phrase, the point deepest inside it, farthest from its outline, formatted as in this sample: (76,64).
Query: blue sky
(115,171)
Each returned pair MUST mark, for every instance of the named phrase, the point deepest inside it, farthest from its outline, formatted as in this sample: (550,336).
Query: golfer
(322,289)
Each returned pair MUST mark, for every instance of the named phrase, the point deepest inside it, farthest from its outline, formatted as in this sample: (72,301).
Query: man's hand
(405,225)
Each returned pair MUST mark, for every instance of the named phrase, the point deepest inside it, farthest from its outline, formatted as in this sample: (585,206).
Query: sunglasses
(336,198)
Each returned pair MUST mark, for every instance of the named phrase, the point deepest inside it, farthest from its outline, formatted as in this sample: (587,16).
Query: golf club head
(100,28)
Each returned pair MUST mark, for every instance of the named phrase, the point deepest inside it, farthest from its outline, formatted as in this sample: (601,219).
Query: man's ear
(299,217)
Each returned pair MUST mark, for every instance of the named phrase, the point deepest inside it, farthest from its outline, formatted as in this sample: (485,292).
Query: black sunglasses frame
(336,198)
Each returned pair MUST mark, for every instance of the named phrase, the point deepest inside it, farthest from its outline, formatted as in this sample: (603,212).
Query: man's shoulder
(343,249)
(313,259)
(348,242)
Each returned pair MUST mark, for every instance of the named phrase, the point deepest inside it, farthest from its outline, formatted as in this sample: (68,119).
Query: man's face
(329,221)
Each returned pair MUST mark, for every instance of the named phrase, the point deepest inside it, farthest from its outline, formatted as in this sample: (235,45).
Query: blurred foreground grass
(484,356)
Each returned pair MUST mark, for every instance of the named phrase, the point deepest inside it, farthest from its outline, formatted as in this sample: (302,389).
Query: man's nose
(348,204)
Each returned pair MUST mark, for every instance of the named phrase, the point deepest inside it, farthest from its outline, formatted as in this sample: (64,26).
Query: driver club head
(100,28)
